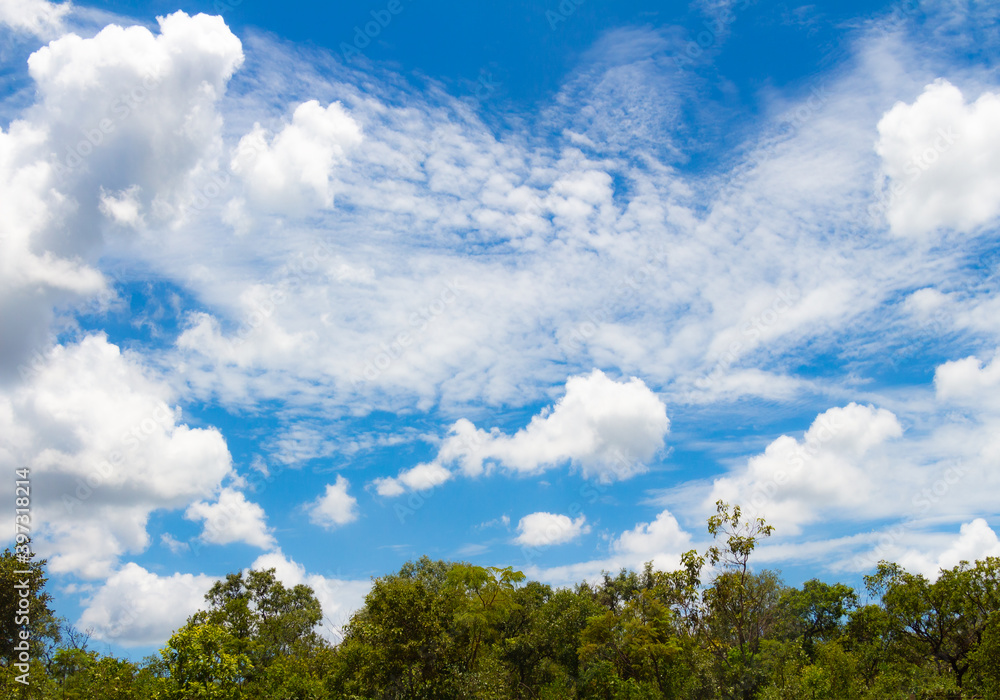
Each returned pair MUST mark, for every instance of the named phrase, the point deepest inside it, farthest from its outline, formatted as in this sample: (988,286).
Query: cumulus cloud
(99,435)
(605,429)
(32,279)
(232,518)
(941,157)
(969,381)
(543,529)
(795,482)
(136,607)
(292,174)
(659,541)
(975,540)
(123,126)
(335,507)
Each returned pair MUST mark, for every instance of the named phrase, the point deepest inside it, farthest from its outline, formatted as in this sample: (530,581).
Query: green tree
(204,663)
(401,643)
(941,621)
(489,598)
(740,607)
(267,619)
(639,635)
(543,636)
(984,662)
(28,628)
(817,612)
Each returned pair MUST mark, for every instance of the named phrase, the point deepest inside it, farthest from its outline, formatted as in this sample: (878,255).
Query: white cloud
(659,540)
(123,207)
(543,529)
(976,540)
(136,607)
(39,17)
(232,518)
(100,437)
(422,477)
(293,173)
(173,544)
(606,429)
(793,483)
(941,156)
(123,129)
(969,381)
(594,260)
(33,279)
(335,507)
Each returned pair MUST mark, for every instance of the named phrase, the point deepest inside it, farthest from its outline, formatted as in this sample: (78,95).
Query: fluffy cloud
(940,155)
(32,280)
(969,381)
(542,529)
(100,436)
(293,173)
(232,518)
(38,17)
(928,555)
(793,482)
(659,541)
(335,507)
(136,607)
(123,130)
(419,478)
(604,428)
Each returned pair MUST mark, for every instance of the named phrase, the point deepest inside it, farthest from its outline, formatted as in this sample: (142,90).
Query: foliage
(715,627)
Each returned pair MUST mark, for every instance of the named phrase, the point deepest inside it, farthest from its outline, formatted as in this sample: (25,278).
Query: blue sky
(332,286)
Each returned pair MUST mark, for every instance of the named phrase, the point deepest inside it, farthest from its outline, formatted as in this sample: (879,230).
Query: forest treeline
(715,628)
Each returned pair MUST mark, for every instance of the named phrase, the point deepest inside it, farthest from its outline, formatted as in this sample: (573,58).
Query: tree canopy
(716,627)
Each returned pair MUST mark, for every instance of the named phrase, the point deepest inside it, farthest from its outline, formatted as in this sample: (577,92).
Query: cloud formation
(544,529)
(98,432)
(942,158)
(605,429)
(335,507)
